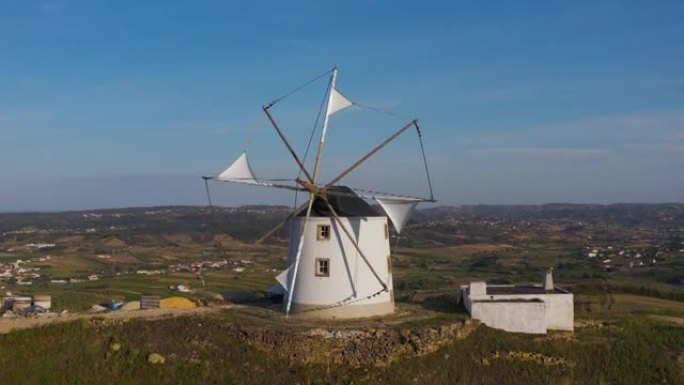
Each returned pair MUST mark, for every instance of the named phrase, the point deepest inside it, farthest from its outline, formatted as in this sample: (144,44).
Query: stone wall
(377,347)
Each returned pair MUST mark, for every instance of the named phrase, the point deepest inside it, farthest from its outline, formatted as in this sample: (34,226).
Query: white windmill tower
(339,253)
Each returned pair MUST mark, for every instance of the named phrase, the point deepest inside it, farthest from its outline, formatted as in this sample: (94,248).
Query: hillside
(623,263)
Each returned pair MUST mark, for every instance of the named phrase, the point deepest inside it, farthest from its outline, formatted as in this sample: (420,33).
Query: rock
(9,314)
(115,346)
(155,358)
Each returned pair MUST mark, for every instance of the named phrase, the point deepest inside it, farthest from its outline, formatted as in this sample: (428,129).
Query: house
(532,309)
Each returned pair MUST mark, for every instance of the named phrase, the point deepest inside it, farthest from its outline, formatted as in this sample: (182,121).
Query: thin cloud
(626,125)
(661,126)
(544,152)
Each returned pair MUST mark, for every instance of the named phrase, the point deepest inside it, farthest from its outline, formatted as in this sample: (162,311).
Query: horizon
(431,206)
(104,105)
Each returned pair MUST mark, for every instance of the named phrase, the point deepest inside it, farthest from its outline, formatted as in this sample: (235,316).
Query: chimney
(548,280)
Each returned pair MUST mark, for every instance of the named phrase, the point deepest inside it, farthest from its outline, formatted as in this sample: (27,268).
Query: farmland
(623,263)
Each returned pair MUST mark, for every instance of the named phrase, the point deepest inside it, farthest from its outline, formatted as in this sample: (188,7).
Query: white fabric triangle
(337,102)
(397,209)
(239,171)
(283,279)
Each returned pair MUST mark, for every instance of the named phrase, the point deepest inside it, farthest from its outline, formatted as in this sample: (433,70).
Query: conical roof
(346,204)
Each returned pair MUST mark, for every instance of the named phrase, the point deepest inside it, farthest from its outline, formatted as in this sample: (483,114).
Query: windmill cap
(345,202)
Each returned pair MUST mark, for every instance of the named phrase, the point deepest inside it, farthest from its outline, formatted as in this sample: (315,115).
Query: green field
(621,349)
(630,321)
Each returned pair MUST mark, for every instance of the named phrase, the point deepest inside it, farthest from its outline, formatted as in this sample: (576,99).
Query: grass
(633,350)
(630,303)
(82,295)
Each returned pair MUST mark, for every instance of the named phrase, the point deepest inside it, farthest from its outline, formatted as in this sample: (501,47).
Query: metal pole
(279,225)
(422,150)
(312,196)
(326,119)
(282,136)
(290,289)
(371,153)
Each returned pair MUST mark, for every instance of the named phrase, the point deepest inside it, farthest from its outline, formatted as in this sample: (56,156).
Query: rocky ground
(11,324)
(355,347)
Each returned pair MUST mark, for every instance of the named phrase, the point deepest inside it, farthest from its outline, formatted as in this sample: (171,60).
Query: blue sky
(126,103)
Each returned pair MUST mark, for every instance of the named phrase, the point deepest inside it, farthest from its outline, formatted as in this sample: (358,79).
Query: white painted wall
(350,278)
(516,317)
(560,311)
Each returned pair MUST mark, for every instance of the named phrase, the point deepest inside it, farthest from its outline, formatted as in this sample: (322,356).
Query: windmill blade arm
(287,144)
(256,182)
(356,245)
(293,281)
(371,153)
(281,224)
(369,194)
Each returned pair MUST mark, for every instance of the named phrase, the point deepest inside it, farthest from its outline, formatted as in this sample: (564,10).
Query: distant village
(614,258)
(24,272)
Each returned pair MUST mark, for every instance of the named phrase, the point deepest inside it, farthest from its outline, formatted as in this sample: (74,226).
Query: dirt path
(9,324)
(671,319)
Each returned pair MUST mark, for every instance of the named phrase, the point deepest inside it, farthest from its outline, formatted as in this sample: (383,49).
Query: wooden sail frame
(311,184)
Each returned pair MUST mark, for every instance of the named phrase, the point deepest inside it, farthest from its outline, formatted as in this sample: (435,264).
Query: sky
(127,103)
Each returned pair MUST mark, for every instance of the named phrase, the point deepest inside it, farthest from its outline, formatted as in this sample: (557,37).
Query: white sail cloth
(239,171)
(284,278)
(398,210)
(337,102)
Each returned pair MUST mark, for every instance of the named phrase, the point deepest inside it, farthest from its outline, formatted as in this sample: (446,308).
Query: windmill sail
(239,171)
(337,102)
(283,279)
(342,283)
(398,209)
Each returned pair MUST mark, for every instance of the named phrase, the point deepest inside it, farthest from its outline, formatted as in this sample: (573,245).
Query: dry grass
(630,303)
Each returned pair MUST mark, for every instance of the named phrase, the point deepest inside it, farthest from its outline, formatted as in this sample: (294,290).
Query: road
(9,324)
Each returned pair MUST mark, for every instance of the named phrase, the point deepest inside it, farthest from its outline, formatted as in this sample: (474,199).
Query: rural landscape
(355,192)
(624,264)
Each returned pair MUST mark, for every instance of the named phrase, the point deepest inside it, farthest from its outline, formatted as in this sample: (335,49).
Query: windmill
(338,263)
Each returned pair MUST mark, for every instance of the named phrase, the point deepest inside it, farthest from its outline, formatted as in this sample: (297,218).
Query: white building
(532,309)
(333,279)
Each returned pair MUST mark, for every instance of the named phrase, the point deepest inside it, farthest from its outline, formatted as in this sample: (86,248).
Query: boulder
(156,358)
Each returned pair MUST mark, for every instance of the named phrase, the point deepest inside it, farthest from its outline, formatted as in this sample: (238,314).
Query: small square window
(323,232)
(322,267)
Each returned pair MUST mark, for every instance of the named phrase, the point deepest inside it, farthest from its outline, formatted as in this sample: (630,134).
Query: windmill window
(322,267)
(323,232)
(386,231)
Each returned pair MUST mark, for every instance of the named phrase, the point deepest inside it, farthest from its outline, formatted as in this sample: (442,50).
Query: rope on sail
(422,149)
(364,193)
(420,139)
(297,89)
(206,186)
(394,114)
(215,218)
(306,153)
(313,132)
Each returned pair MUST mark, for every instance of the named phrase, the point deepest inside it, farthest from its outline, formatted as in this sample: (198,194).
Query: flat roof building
(532,309)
